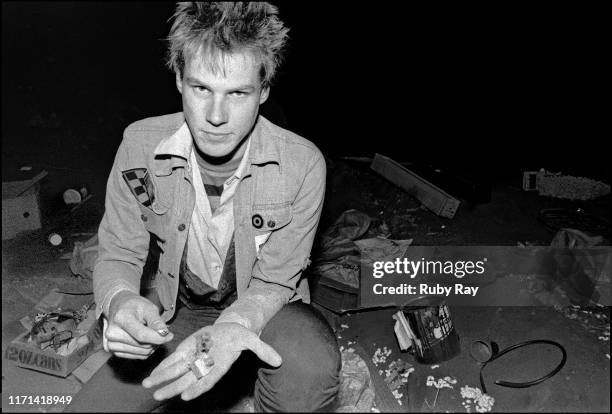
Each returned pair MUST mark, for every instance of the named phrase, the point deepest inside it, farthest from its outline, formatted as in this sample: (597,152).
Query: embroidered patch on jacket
(140,185)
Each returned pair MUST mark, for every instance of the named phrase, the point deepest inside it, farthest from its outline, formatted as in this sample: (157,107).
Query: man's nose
(217,112)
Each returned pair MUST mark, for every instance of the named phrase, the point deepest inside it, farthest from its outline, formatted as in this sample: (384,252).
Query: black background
(473,87)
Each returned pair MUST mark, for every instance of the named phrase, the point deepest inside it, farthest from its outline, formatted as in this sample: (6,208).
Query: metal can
(436,338)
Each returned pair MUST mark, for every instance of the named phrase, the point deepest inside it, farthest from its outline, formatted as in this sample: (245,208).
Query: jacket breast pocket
(270,217)
(267,219)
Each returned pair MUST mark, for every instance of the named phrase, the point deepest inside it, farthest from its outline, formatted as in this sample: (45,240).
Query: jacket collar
(263,149)
(174,151)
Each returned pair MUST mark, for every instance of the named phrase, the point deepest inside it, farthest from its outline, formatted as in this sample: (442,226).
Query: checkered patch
(140,184)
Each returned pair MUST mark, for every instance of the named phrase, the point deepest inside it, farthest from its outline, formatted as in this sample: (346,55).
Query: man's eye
(200,88)
(239,94)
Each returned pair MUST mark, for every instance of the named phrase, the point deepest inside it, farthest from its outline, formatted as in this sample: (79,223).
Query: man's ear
(265,92)
(179,82)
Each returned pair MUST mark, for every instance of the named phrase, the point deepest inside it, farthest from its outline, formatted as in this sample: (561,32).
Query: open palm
(228,342)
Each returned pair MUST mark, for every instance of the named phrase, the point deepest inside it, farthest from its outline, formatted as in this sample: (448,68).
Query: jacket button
(271,224)
(181,227)
(143,217)
(257,221)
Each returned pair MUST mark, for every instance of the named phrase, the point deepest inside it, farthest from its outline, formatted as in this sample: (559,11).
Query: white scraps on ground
(380,356)
(484,402)
(446,382)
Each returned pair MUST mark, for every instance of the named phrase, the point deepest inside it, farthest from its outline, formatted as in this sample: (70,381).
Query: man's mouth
(216,134)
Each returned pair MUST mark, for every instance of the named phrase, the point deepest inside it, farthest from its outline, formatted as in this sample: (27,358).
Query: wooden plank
(432,197)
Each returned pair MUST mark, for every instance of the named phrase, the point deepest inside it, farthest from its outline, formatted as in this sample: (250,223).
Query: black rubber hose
(529,383)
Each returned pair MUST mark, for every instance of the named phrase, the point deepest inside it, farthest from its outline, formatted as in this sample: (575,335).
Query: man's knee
(308,379)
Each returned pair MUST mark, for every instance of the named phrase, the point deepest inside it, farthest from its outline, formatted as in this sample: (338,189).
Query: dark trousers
(307,380)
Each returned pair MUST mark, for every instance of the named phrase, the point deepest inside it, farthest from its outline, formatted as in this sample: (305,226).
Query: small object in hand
(208,361)
(163,331)
(196,369)
(201,366)
(202,363)
(204,341)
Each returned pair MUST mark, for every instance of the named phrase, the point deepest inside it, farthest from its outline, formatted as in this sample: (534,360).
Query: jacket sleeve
(283,257)
(123,239)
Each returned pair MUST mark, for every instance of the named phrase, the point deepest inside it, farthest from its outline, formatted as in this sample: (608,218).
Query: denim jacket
(277,204)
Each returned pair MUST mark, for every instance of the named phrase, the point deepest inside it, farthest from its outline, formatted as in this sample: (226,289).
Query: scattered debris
(608,356)
(398,396)
(446,382)
(473,395)
(25,168)
(397,374)
(72,196)
(380,356)
(55,239)
(344,326)
(435,366)
(594,319)
(84,256)
(564,186)
(357,391)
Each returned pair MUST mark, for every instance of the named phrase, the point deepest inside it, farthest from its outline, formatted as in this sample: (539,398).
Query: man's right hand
(134,327)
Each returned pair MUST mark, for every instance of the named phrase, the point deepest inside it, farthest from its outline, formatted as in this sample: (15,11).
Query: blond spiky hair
(215,29)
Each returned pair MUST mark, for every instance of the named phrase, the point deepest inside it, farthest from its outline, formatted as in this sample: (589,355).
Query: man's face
(220,109)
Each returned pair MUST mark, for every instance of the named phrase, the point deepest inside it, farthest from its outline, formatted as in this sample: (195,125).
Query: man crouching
(230,203)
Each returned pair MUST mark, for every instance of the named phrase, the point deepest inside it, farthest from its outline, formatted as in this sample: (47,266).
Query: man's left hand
(228,341)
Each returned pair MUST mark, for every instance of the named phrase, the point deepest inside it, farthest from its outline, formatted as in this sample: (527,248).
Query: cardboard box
(333,295)
(21,206)
(28,355)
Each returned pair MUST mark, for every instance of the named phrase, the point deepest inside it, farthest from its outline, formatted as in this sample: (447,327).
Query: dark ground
(74,75)
(31,267)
